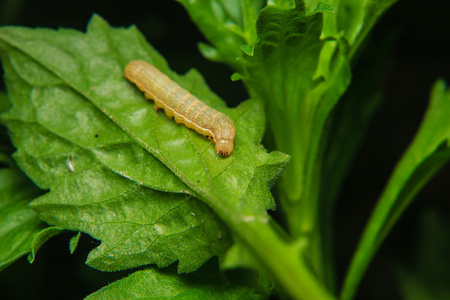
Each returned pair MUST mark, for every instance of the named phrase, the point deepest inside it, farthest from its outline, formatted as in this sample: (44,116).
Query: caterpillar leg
(149,96)
(158,104)
(178,120)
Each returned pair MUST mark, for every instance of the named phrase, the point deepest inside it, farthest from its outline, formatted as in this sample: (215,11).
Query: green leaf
(276,72)
(154,284)
(282,72)
(355,19)
(323,7)
(136,225)
(300,77)
(74,242)
(249,50)
(92,191)
(56,103)
(136,117)
(48,132)
(282,3)
(49,124)
(18,223)
(227,24)
(40,239)
(424,157)
(187,154)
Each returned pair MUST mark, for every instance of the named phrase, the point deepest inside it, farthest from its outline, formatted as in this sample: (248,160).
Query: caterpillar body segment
(178,103)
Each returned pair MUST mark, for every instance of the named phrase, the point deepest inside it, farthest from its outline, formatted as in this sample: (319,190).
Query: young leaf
(282,3)
(40,238)
(74,242)
(226,24)
(355,19)
(424,157)
(280,75)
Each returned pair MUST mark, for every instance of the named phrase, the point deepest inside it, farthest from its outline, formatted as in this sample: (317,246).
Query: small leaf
(236,77)
(323,7)
(248,49)
(239,257)
(226,24)
(209,52)
(40,238)
(289,4)
(74,242)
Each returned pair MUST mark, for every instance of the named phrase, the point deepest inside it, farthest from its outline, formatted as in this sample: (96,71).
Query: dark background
(420,55)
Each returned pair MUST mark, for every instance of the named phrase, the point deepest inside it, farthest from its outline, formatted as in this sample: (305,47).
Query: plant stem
(280,260)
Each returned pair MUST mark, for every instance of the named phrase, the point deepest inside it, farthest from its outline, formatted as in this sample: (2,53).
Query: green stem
(280,260)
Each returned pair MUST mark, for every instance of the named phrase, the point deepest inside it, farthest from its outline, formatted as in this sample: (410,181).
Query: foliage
(104,163)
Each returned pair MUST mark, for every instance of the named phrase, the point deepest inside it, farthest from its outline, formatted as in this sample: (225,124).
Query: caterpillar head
(225,139)
(224,147)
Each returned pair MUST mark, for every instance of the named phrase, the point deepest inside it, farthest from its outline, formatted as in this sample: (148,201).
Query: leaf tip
(209,52)
(248,49)
(324,7)
(236,76)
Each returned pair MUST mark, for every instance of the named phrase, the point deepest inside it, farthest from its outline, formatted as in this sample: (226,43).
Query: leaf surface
(87,134)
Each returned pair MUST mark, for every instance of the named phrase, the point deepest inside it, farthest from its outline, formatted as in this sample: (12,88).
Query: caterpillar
(179,103)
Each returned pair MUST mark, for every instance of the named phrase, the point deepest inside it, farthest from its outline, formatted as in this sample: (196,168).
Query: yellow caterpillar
(179,103)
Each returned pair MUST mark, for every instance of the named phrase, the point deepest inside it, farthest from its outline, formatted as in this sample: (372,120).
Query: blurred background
(419,55)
